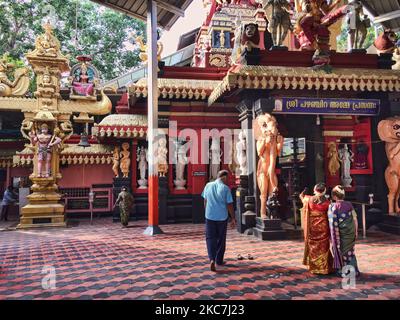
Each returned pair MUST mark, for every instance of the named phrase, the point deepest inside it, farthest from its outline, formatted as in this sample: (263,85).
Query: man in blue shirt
(217,202)
(8,198)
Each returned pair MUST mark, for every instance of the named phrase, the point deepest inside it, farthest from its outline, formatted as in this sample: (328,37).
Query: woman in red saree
(317,254)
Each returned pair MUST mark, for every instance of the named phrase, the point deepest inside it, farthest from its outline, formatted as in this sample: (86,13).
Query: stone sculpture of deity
(334,161)
(143,166)
(125,160)
(358,24)
(346,158)
(280,23)
(181,162)
(116,161)
(45,142)
(269,146)
(162,152)
(241,153)
(215,157)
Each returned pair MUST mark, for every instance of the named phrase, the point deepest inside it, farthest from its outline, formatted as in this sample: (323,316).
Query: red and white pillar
(152,117)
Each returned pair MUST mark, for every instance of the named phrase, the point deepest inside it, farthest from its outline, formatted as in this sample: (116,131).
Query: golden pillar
(47,125)
(46,128)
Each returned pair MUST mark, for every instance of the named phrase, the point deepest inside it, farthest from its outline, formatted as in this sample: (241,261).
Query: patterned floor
(104,261)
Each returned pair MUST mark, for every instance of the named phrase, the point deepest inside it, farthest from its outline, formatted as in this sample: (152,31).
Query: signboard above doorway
(361,107)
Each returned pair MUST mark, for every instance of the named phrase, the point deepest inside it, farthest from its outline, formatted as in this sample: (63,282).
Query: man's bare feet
(212,266)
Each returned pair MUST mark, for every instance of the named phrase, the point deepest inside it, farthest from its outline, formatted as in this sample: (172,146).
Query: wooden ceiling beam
(171,8)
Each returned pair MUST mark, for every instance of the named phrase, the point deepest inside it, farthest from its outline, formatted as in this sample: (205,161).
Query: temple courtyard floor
(105,261)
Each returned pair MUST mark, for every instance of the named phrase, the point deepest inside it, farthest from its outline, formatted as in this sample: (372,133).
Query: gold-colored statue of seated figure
(19,86)
(84,80)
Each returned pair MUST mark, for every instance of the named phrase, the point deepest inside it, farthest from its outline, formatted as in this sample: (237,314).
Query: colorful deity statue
(386,42)
(246,41)
(45,142)
(250,38)
(312,28)
(83,79)
(269,146)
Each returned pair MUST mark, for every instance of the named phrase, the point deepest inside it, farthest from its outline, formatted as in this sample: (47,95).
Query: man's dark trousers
(4,212)
(216,239)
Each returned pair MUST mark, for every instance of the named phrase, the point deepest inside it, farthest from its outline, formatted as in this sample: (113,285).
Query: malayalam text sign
(364,107)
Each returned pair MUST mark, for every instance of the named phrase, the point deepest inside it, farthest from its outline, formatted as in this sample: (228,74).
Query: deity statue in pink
(45,142)
(83,78)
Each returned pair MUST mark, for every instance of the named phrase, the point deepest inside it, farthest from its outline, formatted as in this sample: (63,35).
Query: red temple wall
(80,176)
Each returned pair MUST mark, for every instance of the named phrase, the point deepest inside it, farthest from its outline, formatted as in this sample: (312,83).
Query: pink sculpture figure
(312,27)
(45,143)
(83,82)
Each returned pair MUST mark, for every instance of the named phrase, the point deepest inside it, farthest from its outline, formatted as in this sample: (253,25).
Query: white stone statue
(142,158)
(181,162)
(346,158)
(241,153)
(215,157)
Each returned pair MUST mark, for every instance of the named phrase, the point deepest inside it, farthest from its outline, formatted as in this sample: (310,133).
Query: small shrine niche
(84,79)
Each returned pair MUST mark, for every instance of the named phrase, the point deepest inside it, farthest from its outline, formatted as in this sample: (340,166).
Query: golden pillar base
(44,208)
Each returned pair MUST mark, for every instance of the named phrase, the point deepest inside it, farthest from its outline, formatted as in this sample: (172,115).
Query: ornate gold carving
(19,86)
(334,161)
(101,107)
(143,49)
(337,133)
(218,60)
(47,45)
(125,161)
(124,120)
(176,88)
(116,161)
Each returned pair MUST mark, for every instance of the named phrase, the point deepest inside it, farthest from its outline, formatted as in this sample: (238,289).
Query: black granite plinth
(359,51)
(269,229)
(390,224)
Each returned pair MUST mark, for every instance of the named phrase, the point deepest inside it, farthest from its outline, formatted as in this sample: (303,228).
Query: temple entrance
(301,163)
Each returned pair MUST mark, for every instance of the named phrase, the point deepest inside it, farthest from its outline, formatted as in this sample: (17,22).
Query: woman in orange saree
(317,254)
